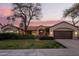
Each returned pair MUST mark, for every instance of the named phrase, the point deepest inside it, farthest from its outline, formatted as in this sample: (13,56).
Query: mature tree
(8,19)
(72,12)
(11,20)
(27,12)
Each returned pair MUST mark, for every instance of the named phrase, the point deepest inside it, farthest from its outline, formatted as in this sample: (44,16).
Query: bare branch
(26,11)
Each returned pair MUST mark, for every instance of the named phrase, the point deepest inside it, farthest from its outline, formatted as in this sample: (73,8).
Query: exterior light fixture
(51,33)
(41,31)
(76,33)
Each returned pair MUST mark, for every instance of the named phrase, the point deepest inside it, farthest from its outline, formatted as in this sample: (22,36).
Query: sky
(54,11)
(50,11)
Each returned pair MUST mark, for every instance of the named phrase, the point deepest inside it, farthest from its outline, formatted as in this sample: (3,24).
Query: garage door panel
(63,34)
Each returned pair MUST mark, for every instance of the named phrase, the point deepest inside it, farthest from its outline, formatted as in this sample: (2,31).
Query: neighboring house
(0,26)
(11,28)
(62,30)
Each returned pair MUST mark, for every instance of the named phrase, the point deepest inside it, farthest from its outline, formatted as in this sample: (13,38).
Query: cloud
(38,23)
(5,11)
(44,23)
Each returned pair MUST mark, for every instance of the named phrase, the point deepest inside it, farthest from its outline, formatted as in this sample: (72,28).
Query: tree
(11,20)
(72,12)
(27,12)
(8,18)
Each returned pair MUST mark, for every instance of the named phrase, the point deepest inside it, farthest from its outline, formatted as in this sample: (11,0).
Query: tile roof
(29,28)
(63,22)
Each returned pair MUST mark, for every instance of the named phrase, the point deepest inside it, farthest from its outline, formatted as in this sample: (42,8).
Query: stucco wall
(9,28)
(78,34)
(63,27)
(0,28)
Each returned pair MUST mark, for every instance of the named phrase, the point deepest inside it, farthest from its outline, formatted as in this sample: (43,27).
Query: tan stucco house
(0,26)
(62,30)
(10,28)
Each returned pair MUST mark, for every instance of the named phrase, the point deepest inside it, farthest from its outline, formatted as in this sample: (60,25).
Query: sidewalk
(40,52)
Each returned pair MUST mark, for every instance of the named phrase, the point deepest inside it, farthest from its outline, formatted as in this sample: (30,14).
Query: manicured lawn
(27,44)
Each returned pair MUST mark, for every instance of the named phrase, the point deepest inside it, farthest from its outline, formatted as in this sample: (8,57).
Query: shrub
(45,38)
(4,36)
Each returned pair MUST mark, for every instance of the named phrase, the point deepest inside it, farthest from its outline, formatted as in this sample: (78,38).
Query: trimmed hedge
(4,36)
(46,38)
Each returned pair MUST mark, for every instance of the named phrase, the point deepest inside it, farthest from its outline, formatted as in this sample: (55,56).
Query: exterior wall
(0,28)
(64,26)
(78,34)
(37,33)
(42,28)
(34,33)
(10,29)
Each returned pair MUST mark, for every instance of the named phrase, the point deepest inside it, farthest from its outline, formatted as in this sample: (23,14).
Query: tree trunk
(73,21)
(25,26)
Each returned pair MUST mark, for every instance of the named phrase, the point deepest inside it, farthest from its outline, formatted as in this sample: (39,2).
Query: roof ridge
(63,22)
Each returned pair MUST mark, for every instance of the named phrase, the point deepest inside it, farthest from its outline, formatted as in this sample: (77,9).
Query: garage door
(63,34)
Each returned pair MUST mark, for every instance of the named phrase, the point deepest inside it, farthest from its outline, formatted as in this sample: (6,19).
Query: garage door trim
(63,34)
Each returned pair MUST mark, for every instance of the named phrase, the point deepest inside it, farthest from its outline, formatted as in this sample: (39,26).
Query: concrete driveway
(69,43)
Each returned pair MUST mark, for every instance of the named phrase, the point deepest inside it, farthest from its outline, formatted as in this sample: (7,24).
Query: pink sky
(51,14)
(45,23)
(6,11)
(39,22)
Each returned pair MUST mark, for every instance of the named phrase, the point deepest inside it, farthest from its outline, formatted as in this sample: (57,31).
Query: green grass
(28,44)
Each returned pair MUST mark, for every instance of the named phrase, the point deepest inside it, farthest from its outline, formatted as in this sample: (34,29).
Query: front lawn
(28,44)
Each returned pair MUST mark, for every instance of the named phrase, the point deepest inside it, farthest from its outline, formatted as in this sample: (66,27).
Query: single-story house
(38,30)
(34,30)
(0,26)
(62,30)
(11,28)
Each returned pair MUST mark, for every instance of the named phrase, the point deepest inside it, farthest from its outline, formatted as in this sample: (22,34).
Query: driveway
(69,43)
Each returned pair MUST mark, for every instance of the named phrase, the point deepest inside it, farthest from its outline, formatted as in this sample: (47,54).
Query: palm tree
(72,12)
